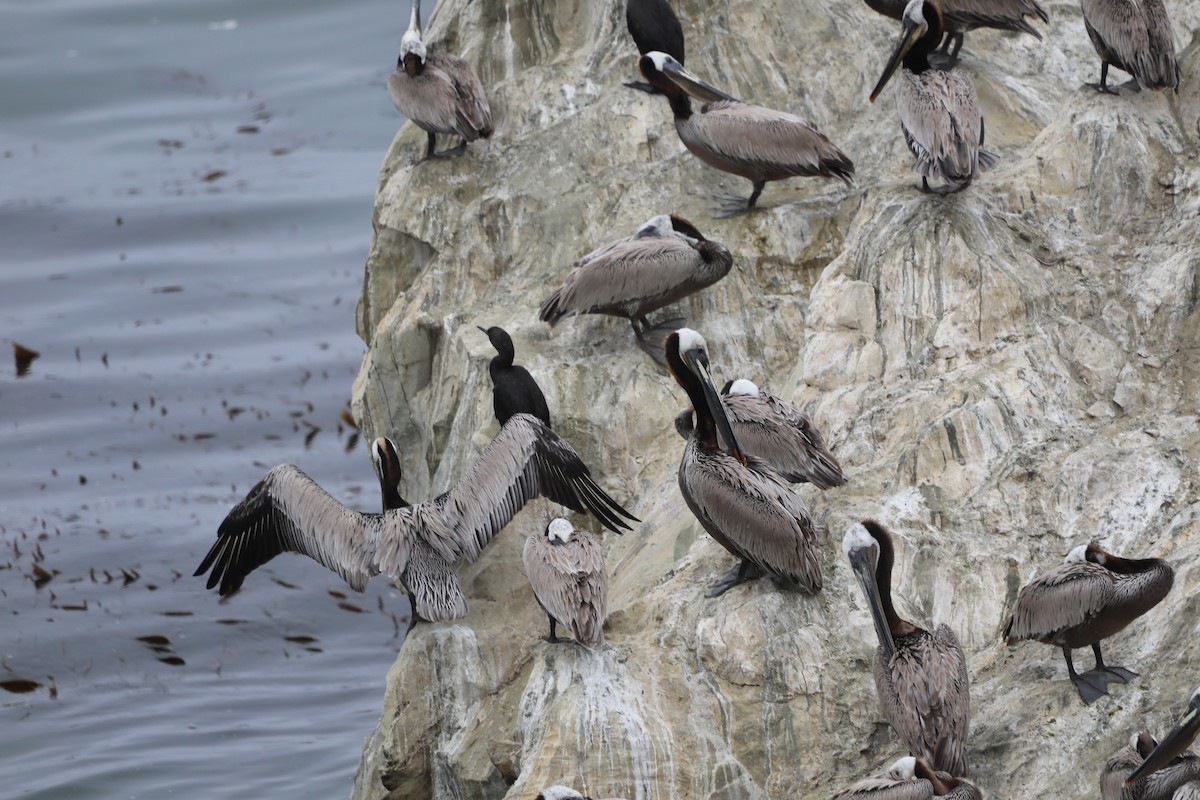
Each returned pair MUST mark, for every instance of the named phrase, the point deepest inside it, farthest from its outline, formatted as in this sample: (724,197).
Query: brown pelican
(742,503)
(654,26)
(775,431)
(439,92)
(1134,36)
(921,677)
(751,141)
(665,261)
(939,112)
(514,391)
(1170,757)
(960,16)
(565,567)
(287,512)
(911,779)
(434,591)
(1125,775)
(1089,597)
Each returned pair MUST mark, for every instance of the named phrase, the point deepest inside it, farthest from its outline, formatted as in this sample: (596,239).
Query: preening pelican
(742,503)
(1089,597)
(287,512)
(911,779)
(565,567)
(439,92)
(775,431)
(756,143)
(921,677)
(960,16)
(654,26)
(514,391)
(1171,754)
(939,112)
(666,260)
(1134,36)
(1124,776)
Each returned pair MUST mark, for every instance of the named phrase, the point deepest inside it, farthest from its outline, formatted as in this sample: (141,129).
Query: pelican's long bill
(863,554)
(697,361)
(697,88)
(910,33)
(1175,742)
(414,19)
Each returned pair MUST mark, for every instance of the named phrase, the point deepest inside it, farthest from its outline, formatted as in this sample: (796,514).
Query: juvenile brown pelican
(775,431)
(1125,777)
(565,567)
(514,391)
(434,591)
(439,92)
(961,16)
(742,503)
(939,112)
(1089,597)
(911,779)
(287,512)
(665,261)
(1134,36)
(921,677)
(751,141)
(654,26)
(1170,758)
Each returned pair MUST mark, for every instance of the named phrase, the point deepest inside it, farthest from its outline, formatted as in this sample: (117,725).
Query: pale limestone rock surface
(1004,374)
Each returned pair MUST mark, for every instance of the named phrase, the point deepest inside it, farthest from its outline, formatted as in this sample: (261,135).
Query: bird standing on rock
(514,391)
(565,568)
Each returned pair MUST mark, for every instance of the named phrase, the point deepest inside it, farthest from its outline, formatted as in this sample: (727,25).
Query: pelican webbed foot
(1106,673)
(650,337)
(1089,692)
(1103,86)
(453,152)
(740,573)
(553,637)
(731,206)
(642,86)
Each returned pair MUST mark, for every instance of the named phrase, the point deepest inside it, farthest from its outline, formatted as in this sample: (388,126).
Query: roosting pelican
(960,16)
(654,26)
(665,261)
(565,568)
(751,141)
(1089,597)
(921,677)
(439,92)
(939,112)
(742,503)
(911,779)
(1134,36)
(514,391)
(1124,776)
(287,512)
(1170,758)
(775,431)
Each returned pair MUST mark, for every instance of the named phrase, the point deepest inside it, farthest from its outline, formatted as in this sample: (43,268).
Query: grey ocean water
(185,208)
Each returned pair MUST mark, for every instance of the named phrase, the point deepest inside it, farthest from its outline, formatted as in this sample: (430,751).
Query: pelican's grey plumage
(434,590)
(287,512)
(960,16)
(1134,36)
(911,779)
(1089,597)
(654,26)
(1171,754)
(742,503)
(756,143)
(921,677)
(565,567)
(775,431)
(939,112)
(665,261)
(439,92)
(1125,776)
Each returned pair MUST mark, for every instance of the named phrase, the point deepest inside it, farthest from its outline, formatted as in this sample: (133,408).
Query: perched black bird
(653,26)
(514,391)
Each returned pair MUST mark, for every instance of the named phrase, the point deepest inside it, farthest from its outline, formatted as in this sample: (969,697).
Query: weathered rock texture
(1004,373)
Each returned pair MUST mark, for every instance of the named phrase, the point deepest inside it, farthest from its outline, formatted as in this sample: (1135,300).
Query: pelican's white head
(559,793)
(411,43)
(661,60)
(914,12)
(655,226)
(1078,555)
(857,538)
(559,529)
(905,769)
(690,340)
(743,387)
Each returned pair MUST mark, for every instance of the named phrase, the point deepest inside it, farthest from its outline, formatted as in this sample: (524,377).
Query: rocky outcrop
(1003,373)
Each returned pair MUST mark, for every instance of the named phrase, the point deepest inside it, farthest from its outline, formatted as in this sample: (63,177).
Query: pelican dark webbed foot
(553,637)
(650,337)
(1103,86)
(453,152)
(740,573)
(732,205)
(1106,673)
(1089,691)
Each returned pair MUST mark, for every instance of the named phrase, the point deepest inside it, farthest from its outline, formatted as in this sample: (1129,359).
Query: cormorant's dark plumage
(514,391)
